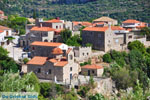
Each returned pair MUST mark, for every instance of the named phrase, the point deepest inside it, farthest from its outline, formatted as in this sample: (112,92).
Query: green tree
(97,97)
(137,45)
(65,34)
(74,41)
(107,58)
(45,89)
(146,31)
(122,78)
(25,60)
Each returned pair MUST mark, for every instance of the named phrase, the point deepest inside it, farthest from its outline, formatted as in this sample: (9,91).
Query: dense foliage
(70,40)
(16,22)
(7,63)
(127,68)
(118,9)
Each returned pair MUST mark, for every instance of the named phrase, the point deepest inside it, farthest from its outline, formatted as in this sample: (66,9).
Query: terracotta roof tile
(37,60)
(117,28)
(1,31)
(54,21)
(131,21)
(51,44)
(92,67)
(82,23)
(100,29)
(4,28)
(42,29)
(57,51)
(61,63)
(53,60)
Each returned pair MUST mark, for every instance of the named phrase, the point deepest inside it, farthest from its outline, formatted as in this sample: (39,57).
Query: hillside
(118,9)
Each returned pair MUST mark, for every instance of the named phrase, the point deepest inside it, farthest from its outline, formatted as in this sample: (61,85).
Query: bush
(25,60)
(137,45)
(45,89)
(107,58)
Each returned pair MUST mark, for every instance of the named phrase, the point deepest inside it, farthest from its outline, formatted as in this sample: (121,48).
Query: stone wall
(82,53)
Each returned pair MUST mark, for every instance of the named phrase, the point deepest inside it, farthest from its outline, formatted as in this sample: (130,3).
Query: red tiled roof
(142,24)
(4,28)
(53,60)
(37,60)
(61,63)
(51,44)
(100,29)
(131,21)
(86,23)
(1,31)
(54,21)
(117,28)
(92,67)
(82,23)
(42,29)
(57,51)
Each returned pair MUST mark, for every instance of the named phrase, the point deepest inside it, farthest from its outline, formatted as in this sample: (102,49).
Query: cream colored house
(106,20)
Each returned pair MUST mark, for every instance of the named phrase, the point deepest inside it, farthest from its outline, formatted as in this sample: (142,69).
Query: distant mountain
(79,9)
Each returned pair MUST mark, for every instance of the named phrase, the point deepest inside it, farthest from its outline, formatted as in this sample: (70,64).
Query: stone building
(59,67)
(92,70)
(112,37)
(82,53)
(100,37)
(106,20)
(44,49)
(45,34)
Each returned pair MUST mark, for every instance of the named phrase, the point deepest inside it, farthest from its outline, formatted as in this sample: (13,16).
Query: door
(70,76)
(88,72)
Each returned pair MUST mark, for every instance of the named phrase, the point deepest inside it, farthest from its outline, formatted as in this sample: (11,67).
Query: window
(71,57)
(33,48)
(39,70)
(70,68)
(60,26)
(130,37)
(87,54)
(93,71)
(7,33)
(70,76)
(56,27)
(116,40)
(83,54)
(49,71)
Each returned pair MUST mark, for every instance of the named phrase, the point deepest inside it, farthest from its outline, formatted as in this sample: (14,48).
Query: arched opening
(45,40)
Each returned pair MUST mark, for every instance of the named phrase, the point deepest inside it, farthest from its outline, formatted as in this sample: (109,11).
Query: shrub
(107,58)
